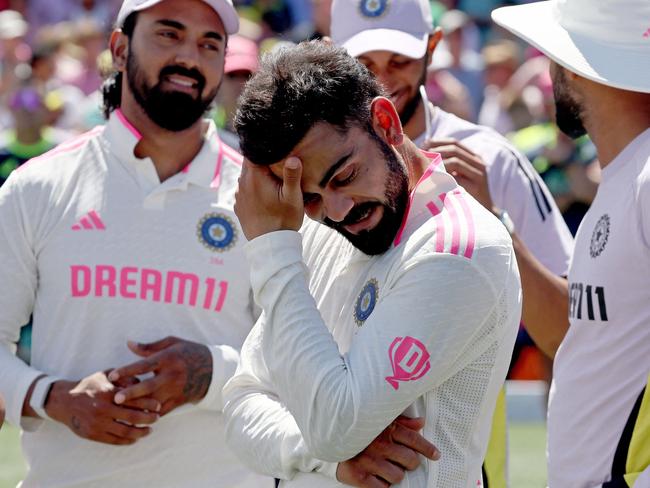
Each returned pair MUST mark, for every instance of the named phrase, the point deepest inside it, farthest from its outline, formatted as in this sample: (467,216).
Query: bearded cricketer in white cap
(124,247)
(599,405)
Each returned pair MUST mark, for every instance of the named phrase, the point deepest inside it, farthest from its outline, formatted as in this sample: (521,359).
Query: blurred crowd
(53,58)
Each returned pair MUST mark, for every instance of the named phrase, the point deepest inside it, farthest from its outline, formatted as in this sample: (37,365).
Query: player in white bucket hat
(599,406)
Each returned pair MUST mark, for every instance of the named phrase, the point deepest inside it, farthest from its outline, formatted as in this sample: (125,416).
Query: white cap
(400,26)
(607,41)
(224,8)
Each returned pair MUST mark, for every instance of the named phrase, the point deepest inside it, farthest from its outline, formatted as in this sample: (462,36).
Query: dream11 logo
(409,360)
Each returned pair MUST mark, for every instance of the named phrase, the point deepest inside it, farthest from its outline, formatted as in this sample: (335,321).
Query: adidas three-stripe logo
(90,221)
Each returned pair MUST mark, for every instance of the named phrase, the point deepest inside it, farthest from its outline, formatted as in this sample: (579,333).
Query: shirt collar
(433,182)
(204,170)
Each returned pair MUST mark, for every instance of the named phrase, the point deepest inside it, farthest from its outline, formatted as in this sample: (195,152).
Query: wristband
(39,395)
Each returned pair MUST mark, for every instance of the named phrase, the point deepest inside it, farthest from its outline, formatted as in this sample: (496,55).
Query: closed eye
(346,176)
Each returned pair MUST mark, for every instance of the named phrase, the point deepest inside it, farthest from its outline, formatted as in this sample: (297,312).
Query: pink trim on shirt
(460,197)
(216,180)
(232,153)
(68,146)
(435,159)
(120,115)
(455,223)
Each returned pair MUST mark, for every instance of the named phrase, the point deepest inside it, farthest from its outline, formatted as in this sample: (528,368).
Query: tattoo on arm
(199,371)
(76,424)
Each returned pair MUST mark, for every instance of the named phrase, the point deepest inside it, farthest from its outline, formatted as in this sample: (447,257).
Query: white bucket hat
(400,26)
(224,8)
(607,41)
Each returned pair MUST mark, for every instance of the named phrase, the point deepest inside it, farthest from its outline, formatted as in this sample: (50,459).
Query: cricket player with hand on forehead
(124,247)
(396,41)
(599,403)
(400,295)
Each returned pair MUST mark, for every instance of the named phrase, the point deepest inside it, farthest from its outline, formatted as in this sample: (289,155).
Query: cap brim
(410,45)
(226,12)
(241,63)
(536,23)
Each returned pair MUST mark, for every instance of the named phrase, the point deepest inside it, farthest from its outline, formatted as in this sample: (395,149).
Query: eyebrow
(177,25)
(333,169)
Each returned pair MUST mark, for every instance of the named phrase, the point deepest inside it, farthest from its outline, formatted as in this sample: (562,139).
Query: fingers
(143,366)
(415,441)
(129,416)
(292,173)
(127,432)
(414,423)
(143,389)
(144,404)
(455,165)
(147,349)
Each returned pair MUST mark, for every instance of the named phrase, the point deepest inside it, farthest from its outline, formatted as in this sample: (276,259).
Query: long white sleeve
(423,316)
(260,429)
(18,273)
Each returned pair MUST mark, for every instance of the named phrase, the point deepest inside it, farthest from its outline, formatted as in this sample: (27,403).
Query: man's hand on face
(385,461)
(466,167)
(88,410)
(182,371)
(265,203)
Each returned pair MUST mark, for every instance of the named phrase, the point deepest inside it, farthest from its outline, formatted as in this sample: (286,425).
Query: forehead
(323,145)
(192,14)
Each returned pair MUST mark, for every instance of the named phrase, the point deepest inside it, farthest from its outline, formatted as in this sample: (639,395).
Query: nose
(337,205)
(188,55)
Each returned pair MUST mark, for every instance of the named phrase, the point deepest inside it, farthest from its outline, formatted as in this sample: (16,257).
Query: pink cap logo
(409,360)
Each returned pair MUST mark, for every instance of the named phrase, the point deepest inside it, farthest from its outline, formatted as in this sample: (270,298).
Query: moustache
(192,73)
(357,213)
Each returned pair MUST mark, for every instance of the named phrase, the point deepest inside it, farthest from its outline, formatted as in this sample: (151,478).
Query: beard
(173,111)
(411,106)
(379,239)
(567,110)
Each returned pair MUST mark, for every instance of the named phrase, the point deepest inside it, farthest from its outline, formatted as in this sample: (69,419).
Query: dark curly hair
(112,85)
(297,87)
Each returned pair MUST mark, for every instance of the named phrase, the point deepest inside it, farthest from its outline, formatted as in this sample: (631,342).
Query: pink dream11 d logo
(409,359)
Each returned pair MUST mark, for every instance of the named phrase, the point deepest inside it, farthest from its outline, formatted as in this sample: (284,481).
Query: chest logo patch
(599,237)
(216,232)
(373,9)
(409,359)
(366,302)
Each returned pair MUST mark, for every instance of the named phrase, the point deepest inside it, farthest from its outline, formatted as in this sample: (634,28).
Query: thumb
(291,174)
(147,349)
(416,423)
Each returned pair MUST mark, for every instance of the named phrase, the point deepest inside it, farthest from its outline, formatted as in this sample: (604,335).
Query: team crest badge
(216,232)
(599,237)
(366,302)
(373,8)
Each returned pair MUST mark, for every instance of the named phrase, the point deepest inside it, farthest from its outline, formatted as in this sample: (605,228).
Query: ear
(119,46)
(432,43)
(385,121)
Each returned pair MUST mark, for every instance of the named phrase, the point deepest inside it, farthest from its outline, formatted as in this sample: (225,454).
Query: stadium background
(51,53)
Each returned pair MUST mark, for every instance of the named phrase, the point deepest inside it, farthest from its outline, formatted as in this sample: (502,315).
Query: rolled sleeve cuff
(224,364)
(16,400)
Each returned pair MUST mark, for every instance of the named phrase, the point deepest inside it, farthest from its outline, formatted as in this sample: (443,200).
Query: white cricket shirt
(102,252)
(514,186)
(603,363)
(426,328)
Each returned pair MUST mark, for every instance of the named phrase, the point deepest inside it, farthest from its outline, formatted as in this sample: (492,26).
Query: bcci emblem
(366,302)
(216,232)
(599,237)
(373,8)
